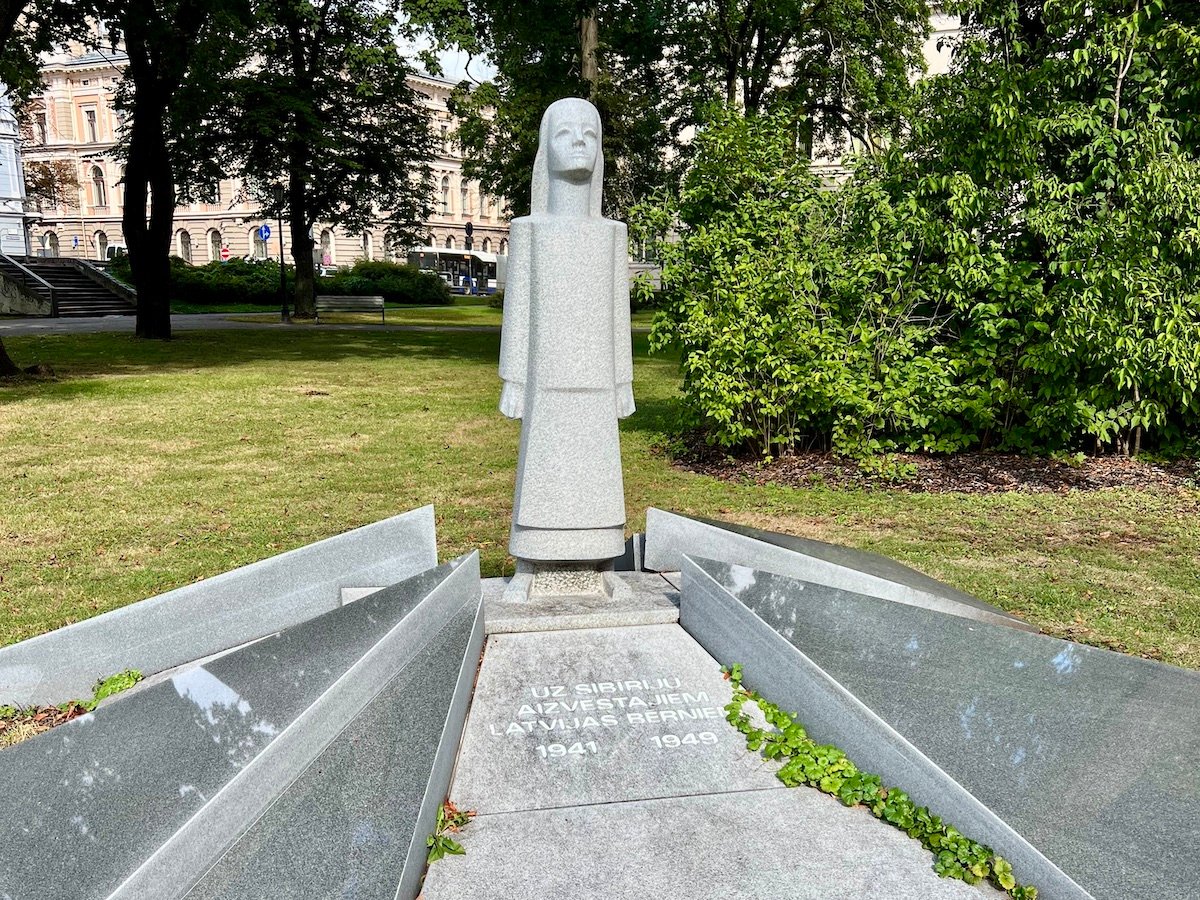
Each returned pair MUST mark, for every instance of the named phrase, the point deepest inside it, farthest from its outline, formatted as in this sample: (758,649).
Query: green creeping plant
(805,762)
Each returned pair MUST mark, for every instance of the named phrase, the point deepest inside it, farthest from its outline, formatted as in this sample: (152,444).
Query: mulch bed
(968,473)
(32,720)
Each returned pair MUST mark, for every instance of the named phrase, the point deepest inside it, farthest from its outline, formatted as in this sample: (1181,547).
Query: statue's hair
(539,201)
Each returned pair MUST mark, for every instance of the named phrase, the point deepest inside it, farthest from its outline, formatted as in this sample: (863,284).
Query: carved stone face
(574,141)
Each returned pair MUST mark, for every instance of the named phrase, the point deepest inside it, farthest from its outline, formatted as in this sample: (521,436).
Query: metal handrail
(27,274)
(107,279)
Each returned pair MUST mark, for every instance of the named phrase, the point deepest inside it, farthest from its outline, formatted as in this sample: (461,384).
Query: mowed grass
(145,466)
(437,316)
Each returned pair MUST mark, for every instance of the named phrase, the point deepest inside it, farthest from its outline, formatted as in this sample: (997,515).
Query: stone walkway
(599,765)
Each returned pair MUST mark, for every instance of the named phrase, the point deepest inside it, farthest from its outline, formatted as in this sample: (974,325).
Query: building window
(366,245)
(487,245)
(49,244)
(450,243)
(214,245)
(39,123)
(99,189)
(503,246)
(216,192)
(465,196)
(259,245)
(185,247)
(89,119)
(445,140)
(327,247)
(445,195)
(100,240)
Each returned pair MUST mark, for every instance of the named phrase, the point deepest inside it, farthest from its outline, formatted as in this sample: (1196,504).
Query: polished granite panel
(87,803)
(345,827)
(670,536)
(215,614)
(1091,755)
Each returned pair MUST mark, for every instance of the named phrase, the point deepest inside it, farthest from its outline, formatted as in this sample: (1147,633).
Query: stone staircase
(74,287)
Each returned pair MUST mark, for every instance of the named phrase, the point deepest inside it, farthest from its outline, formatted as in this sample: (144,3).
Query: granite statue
(566,359)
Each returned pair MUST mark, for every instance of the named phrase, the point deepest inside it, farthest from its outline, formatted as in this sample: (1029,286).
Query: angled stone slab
(212,615)
(142,797)
(732,632)
(354,824)
(670,536)
(1092,756)
(562,718)
(771,845)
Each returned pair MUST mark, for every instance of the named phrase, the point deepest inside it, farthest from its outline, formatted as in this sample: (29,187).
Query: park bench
(327,303)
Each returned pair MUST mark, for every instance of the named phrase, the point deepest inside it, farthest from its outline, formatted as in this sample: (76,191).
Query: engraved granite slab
(596,716)
(1092,756)
(151,789)
(769,845)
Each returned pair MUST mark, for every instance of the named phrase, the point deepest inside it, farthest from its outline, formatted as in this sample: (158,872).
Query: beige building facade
(74,121)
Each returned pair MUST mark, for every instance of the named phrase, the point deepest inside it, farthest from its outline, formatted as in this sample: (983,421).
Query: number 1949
(673,741)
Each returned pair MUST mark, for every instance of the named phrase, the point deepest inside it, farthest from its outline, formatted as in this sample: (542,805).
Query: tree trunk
(589,40)
(148,171)
(8,368)
(304,297)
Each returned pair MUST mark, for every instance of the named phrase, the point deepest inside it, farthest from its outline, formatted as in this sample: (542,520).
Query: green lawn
(146,466)
(472,315)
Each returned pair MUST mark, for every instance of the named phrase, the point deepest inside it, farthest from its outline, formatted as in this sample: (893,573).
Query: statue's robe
(566,339)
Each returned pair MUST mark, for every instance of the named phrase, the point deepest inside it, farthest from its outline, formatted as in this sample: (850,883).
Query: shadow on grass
(82,356)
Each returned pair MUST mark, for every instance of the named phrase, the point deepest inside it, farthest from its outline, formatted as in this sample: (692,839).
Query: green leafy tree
(170,44)
(844,65)
(27,29)
(322,118)
(1081,175)
(1022,272)
(611,53)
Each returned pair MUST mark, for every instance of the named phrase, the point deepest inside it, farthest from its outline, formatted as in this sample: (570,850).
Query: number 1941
(545,751)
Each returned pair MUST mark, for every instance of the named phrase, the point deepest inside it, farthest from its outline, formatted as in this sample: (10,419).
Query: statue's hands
(512,399)
(625,405)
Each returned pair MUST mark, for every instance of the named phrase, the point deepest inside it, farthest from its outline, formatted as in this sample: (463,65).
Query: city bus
(466,271)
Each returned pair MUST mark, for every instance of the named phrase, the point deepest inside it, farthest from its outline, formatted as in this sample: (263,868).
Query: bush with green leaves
(799,310)
(1021,271)
(233,282)
(395,282)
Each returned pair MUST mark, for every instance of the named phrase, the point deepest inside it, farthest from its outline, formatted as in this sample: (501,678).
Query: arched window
(366,245)
(327,258)
(465,196)
(100,242)
(503,246)
(450,243)
(49,244)
(119,190)
(214,245)
(99,189)
(487,245)
(445,195)
(185,247)
(259,245)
